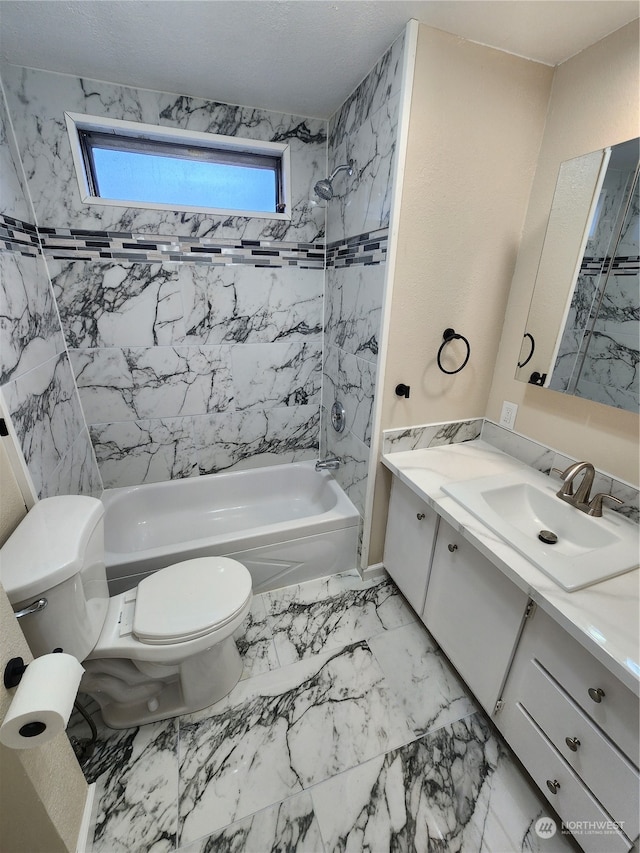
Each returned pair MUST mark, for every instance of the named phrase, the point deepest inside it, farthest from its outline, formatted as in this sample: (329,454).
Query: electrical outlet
(508,416)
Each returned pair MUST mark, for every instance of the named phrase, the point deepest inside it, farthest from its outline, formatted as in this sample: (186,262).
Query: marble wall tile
(430,435)
(531,452)
(270,376)
(46,414)
(135,383)
(281,732)
(353,309)
(251,305)
(104,304)
(77,473)
(255,438)
(362,202)
(38,100)
(144,451)
(351,380)
(15,199)
(354,461)
(30,331)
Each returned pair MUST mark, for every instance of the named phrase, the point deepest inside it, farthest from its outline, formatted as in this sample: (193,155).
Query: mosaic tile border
(366,249)
(18,236)
(78,244)
(620,265)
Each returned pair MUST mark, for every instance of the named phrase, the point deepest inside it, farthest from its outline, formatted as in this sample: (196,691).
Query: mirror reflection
(583,330)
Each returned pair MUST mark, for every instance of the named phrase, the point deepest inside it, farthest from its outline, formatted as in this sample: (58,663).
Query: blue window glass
(137,170)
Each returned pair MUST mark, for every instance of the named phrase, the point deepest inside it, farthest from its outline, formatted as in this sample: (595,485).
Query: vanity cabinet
(574,726)
(474,613)
(411,532)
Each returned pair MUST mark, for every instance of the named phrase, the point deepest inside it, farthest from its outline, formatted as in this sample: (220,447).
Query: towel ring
(533,347)
(450,335)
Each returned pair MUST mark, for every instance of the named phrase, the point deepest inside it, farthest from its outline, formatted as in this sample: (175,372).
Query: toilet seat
(189,600)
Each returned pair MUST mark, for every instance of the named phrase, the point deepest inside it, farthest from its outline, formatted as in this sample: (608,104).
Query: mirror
(583,329)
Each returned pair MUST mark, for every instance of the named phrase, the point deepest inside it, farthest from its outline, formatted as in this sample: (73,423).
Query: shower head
(324,188)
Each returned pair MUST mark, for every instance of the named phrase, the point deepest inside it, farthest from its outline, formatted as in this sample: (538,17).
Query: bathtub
(286,523)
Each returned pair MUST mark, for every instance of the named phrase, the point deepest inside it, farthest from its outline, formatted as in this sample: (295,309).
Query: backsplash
(531,452)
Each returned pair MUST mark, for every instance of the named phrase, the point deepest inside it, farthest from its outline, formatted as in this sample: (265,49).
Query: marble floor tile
(439,793)
(136,776)
(289,826)
(254,640)
(281,732)
(331,612)
(421,678)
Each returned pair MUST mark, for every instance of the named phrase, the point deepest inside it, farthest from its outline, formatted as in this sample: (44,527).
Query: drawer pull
(452,547)
(554,786)
(596,693)
(420,516)
(573,743)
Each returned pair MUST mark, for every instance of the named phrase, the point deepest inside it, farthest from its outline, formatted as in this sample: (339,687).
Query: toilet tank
(57,553)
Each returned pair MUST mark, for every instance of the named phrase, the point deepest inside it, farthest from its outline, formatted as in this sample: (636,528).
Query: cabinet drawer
(602,767)
(573,801)
(578,672)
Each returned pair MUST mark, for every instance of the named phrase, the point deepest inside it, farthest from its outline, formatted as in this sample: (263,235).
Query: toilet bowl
(162,649)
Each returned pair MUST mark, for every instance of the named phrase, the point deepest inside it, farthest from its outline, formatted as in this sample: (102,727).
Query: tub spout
(328,464)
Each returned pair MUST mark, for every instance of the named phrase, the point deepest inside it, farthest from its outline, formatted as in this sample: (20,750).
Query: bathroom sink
(519,506)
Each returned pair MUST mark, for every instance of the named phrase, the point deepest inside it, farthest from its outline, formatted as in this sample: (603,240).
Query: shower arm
(348,167)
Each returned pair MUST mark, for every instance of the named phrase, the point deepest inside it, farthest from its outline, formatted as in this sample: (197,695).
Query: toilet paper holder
(13,672)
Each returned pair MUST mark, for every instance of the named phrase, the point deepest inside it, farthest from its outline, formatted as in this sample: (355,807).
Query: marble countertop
(604,618)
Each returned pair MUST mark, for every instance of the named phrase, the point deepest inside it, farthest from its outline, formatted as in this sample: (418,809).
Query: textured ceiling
(297,56)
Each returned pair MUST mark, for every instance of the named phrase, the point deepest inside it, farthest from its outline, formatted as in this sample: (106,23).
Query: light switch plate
(508,416)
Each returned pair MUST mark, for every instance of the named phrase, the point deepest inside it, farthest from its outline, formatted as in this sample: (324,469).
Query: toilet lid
(189,599)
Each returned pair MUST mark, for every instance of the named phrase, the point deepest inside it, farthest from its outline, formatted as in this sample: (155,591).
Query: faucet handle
(595,505)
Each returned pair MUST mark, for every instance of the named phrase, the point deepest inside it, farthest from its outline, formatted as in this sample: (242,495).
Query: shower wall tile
(13,192)
(145,451)
(251,305)
(105,304)
(38,101)
(256,438)
(353,309)
(136,383)
(30,332)
(46,414)
(270,376)
(351,380)
(77,473)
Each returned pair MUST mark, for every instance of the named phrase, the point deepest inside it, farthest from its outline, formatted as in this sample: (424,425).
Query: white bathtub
(286,524)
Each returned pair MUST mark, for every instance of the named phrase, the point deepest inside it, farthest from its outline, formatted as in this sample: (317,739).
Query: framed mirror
(583,329)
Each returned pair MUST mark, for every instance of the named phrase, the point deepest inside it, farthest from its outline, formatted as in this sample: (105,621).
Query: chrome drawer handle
(420,516)
(452,547)
(573,743)
(596,693)
(554,786)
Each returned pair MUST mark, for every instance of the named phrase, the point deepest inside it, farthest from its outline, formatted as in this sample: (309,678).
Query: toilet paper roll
(43,702)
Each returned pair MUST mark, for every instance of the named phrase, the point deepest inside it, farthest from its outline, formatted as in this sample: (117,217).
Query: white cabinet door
(411,531)
(474,613)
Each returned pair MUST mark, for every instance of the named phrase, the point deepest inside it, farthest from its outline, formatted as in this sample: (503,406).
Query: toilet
(162,649)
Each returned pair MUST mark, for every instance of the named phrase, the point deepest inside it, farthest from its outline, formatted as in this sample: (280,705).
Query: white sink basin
(520,505)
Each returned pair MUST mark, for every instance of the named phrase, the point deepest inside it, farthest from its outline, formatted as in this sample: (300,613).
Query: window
(136,165)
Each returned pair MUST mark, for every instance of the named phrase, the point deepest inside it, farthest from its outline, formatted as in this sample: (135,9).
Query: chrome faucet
(328,464)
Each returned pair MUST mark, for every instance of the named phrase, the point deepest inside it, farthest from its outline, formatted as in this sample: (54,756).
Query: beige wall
(476,125)
(42,790)
(594,103)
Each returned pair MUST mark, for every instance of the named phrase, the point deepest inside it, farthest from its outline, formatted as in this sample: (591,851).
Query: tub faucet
(328,464)
(580,499)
